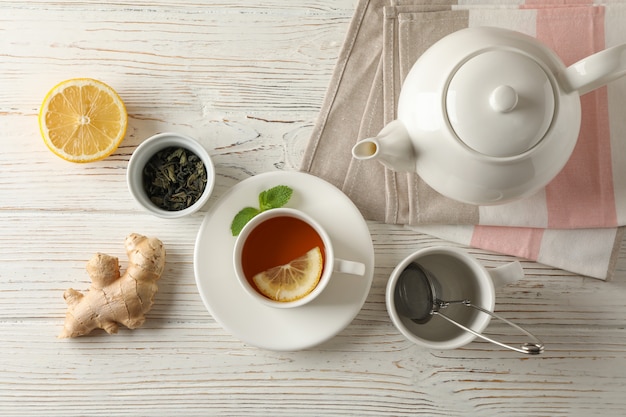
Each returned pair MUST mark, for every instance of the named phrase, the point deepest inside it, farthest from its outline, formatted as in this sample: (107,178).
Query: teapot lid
(500,103)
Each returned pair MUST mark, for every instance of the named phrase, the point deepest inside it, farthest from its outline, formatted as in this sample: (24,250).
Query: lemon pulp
(82,120)
(293,280)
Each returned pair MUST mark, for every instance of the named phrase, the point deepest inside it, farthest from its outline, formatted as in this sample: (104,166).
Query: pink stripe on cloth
(517,241)
(581,196)
(555,3)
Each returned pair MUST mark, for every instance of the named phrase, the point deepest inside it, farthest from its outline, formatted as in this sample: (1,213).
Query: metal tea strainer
(416,297)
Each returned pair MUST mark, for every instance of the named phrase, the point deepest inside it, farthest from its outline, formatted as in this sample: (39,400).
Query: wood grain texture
(246,78)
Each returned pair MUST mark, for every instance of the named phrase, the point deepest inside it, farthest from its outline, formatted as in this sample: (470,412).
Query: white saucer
(273,328)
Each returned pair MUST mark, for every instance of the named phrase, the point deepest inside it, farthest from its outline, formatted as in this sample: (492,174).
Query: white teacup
(294,236)
(460,277)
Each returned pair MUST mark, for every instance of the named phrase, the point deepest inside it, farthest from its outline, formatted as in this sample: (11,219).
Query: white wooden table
(247,79)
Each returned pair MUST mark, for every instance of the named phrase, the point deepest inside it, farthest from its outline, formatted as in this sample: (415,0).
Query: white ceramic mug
(460,277)
(331,266)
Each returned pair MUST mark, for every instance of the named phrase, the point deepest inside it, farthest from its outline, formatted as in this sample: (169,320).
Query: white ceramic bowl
(463,278)
(142,155)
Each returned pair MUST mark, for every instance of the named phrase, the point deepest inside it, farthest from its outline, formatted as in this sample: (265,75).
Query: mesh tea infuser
(417,298)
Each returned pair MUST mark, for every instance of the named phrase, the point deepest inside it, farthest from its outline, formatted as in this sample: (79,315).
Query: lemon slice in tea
(291,281)
(82,120)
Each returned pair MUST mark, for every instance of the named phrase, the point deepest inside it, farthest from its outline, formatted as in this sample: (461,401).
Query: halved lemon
(291,281)
(82,120)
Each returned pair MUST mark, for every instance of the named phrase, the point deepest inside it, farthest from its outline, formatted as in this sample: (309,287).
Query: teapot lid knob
(500,102)
(503,99)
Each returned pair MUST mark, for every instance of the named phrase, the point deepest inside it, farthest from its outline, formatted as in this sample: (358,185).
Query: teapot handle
(595,70)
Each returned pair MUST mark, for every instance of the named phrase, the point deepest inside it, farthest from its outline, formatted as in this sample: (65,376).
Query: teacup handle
(506,274)
(349,267)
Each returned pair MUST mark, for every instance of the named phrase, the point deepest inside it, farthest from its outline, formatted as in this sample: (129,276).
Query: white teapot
(489,115)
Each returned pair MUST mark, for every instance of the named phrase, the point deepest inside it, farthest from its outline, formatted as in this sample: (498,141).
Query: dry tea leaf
(174,178)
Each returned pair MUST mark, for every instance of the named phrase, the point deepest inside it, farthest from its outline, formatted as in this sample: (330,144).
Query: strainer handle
(534,348)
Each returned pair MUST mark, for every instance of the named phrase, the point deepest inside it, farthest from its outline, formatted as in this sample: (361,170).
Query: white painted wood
(247,78)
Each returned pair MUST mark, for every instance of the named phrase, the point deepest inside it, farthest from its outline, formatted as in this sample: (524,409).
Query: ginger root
(112,299)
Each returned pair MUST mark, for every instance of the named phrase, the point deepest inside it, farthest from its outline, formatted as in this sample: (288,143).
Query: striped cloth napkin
(575,223)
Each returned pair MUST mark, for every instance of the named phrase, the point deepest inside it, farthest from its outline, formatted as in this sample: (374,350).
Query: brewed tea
(277,241)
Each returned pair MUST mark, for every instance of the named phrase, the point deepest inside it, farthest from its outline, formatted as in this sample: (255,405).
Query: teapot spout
(596,70)
(393,147)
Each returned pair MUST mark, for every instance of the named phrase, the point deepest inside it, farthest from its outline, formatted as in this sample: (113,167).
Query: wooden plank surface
(246,78)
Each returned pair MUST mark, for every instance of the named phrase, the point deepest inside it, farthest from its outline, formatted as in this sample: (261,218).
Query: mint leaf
(241,218)
(274,197)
